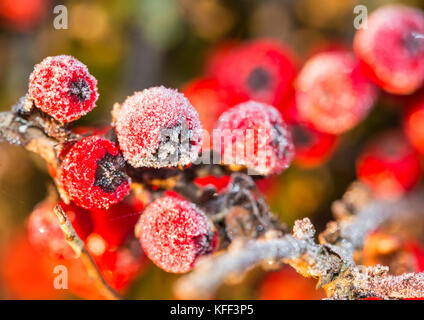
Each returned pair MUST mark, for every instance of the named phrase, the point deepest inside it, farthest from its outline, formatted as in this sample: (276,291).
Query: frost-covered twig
(81,251)
(330,261)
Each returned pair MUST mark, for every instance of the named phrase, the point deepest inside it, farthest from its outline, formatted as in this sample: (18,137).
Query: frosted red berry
(62,87)
(174,233)
(333,93)
(158,127)
(392,48)
(44,231)
(261,70)
(254,135)
(93,175)
(414,124)
(389,165)
(312,147)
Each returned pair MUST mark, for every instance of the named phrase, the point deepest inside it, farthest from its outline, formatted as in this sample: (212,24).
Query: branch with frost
(81,251)
(330,261)
(251,234)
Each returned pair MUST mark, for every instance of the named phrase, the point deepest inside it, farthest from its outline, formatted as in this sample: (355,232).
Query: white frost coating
(158,127)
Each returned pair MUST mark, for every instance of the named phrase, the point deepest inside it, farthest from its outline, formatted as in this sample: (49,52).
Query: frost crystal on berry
(254,135)
(158,127)
(93,174)
(332,93)
(62,87)
(174,232)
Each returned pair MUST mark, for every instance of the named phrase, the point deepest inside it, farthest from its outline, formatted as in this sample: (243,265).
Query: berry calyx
(333,93)
(389,165)
(158,127)
(392,48)
(62,87)
(262,70)
(93,175)
(254,135)
(174,233)
(44,231)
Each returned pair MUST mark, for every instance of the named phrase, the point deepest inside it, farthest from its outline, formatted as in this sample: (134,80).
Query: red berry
(312,147)
(174,233)
(220,183)
(119,267)
(287,284)
(62,87)
(92,174)
(417,251)
(414,124)
(209,100)
(260,70)
(22,272)
(389,165)
(216,56)
(44,231)
(259,138)
(22,15)
(332,92)
(115,225)
(392,48)
(158,127)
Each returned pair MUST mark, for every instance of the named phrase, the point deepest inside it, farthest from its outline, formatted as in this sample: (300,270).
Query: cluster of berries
(251,88)
(155,128)
(332,93)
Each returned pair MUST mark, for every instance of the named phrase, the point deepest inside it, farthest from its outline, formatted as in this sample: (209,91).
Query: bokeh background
(131,45)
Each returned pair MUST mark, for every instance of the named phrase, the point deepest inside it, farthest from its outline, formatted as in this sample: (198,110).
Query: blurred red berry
(100,131)
(254,135)
(220,183)
(261,70)
(174,233)
(120,267)
(209,100)
(23,274)
(389,165)
(417,251)
(414,124)
(93,175)
(62,87)
(158,127)
(44,231)
(332,92)
(216,56)
(114,225)
(287,284)
(312,147)
(392,48)
(22,15)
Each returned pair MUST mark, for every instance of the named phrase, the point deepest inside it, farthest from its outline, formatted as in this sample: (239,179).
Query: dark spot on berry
(301,137)
(203,243)
(259,79)
(414,42)
(79,90)
(110,172)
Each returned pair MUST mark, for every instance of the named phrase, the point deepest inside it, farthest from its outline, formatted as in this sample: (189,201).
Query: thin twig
(78,246)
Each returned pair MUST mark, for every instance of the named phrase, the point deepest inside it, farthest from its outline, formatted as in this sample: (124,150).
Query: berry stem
(78,246)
